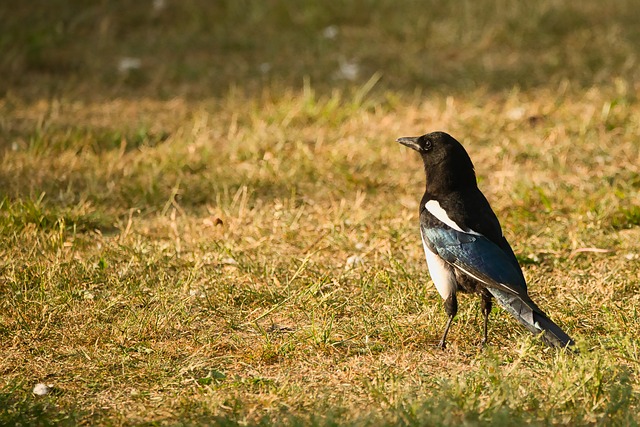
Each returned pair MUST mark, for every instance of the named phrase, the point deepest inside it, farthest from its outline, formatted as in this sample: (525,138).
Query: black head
(446,162)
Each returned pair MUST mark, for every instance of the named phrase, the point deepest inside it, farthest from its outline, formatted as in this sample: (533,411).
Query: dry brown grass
(253,257)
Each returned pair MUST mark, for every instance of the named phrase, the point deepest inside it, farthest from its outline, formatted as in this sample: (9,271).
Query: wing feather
(476,256)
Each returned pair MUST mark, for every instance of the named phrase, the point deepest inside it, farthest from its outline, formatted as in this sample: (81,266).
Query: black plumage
(463,241)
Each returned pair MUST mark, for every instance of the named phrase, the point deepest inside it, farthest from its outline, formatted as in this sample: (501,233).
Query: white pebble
(354,261)
(159,5)
(228,261)
(347,70)
(330,32)
(515,113)
(127,64)
(41,389)
(264,68)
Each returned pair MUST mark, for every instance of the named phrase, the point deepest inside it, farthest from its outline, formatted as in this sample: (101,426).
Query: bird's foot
(442,344)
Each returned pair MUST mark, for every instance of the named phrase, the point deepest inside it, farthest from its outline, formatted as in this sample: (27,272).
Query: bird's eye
(426,144)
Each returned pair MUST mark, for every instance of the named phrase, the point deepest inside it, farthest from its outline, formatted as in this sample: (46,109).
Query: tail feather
(532,318)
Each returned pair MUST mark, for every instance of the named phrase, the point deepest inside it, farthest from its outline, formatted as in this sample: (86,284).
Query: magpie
(463,241)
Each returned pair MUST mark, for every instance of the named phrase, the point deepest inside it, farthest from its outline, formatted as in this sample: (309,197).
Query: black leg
(451,308)
(443,342)
(485,306)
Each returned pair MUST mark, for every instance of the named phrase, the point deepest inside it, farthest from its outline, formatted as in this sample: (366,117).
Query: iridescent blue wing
(477,256)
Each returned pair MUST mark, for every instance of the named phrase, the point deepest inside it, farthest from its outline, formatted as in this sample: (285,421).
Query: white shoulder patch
(436,210)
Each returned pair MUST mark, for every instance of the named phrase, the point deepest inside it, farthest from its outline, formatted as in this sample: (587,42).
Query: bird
(463,242)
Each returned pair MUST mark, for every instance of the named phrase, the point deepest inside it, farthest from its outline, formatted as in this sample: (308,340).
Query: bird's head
(446,162)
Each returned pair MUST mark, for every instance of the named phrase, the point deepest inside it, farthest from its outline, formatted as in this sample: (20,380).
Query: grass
(226,235)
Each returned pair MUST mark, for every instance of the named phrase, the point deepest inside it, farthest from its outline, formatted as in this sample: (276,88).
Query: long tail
(532,318)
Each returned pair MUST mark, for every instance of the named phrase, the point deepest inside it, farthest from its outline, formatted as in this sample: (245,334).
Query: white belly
(441,272)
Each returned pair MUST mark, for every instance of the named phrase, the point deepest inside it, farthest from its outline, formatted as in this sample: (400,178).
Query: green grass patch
(205,220)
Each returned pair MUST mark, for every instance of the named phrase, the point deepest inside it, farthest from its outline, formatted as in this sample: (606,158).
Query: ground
(204,217)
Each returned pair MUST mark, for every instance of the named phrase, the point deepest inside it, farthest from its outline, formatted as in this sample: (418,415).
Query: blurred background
(201,49)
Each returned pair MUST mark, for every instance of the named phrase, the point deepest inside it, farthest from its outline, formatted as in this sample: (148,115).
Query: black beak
(410,141)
